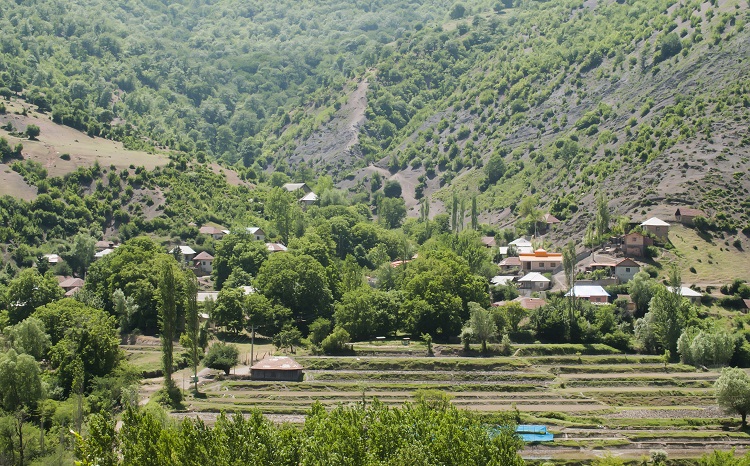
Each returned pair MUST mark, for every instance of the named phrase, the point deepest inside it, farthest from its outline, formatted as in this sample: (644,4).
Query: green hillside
(199,76)
(644,100)
(549,102)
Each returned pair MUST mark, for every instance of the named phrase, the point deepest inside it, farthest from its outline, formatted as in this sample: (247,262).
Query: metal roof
(686,292)
(520,242)
(185,250)
(654,222)
(534,277)
(278,363)
(502,279)
(587,291)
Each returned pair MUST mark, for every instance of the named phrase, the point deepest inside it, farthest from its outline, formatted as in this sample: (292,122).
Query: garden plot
(625,404)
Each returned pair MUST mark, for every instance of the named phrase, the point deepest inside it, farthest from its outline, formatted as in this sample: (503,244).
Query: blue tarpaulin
(529,433)
(534,433)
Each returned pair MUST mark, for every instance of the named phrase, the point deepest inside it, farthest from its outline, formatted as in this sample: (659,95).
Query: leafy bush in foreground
(417,434)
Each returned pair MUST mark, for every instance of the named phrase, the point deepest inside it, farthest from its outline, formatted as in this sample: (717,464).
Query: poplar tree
(474,213)
(167,317)
(192,325)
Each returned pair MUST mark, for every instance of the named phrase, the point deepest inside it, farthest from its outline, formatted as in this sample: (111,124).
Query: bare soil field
(13,184)
(55,140)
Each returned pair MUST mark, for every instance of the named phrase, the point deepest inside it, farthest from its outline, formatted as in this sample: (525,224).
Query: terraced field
(596,403)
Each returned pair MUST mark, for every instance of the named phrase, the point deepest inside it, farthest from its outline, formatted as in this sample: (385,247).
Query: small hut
(282,368)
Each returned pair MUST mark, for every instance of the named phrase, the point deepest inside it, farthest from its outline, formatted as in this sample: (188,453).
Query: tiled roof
(203,256)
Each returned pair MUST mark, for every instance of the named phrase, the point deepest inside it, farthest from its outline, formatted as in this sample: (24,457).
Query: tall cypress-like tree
(192,325)
(454,213)
(167,290)
(474,213)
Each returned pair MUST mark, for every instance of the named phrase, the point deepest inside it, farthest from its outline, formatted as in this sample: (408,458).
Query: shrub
(32,131)
(336,341)
(318,330)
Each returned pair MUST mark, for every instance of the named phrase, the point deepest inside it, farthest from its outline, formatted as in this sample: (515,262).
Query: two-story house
(540,261)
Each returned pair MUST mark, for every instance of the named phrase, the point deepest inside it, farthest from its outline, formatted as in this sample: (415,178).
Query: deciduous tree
(482,325)
(28,291)
(28,337)
(733,392)
(222,356)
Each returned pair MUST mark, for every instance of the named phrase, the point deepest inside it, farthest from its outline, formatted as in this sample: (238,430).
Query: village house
(203,296)
(71,285)
(294,187)
(281,368)
(510,263)
(186,252)
(503,280)
(275,247)
(534,281)
(526,302)
(626,269)
(686,215)
(635,244)
(689,293)
(103,253)
(540,261)
(308,200)
(657,227)
(257,233)
(212,231)
(105,244)
(53,259)
(547,223)
(594,266)
(520,245)
(593,293)
(488,241)
(204,262)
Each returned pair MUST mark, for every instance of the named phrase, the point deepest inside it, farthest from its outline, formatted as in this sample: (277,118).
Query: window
(541,265)
(627,269)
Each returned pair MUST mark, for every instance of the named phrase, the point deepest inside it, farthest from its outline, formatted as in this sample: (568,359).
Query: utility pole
(252,344)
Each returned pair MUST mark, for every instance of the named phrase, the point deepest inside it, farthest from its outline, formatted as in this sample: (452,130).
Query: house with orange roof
(540,261)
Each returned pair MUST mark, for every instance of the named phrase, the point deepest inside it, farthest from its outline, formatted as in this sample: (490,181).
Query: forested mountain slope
(646,101)
(193,75)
